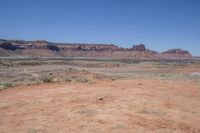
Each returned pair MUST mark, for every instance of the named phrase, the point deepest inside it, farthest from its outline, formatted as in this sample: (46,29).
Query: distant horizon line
(15,39)
(82,43)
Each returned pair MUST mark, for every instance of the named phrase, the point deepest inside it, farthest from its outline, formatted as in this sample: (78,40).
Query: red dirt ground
(120,106)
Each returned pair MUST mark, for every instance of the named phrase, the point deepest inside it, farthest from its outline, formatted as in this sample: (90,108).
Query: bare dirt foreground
(120,106)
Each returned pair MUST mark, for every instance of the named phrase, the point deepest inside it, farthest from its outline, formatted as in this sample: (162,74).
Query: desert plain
(69,95)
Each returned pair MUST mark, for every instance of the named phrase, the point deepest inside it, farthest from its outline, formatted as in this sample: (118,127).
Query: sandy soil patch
(139,106)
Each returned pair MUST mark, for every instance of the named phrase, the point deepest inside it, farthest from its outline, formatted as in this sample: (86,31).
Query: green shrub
(70,69)
(47,79)
(5,86)
(82,80)
(68,79)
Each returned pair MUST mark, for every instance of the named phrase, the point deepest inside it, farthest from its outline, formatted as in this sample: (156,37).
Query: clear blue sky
(159,24)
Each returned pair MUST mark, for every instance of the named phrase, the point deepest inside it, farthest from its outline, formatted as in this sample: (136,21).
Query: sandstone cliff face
(87,47)
(40,44)
(178,51)
(41,48)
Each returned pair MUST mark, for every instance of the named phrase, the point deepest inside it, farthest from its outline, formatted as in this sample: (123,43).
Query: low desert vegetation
(34,71)
(47,78)
(84,80)
(68,79)
(5,86)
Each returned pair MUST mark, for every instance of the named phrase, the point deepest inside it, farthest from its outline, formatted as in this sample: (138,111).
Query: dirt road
(130,106)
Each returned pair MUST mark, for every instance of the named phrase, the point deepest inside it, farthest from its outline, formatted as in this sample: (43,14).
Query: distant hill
(42,48)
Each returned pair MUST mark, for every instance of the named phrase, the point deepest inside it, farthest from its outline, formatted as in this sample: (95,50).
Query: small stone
(138,83)
(100,99)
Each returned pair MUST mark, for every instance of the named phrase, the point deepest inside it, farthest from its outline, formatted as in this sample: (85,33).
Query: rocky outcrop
(139,47)
(176,53)
(9,46)
(41,44)
(86,47)
(43,48)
